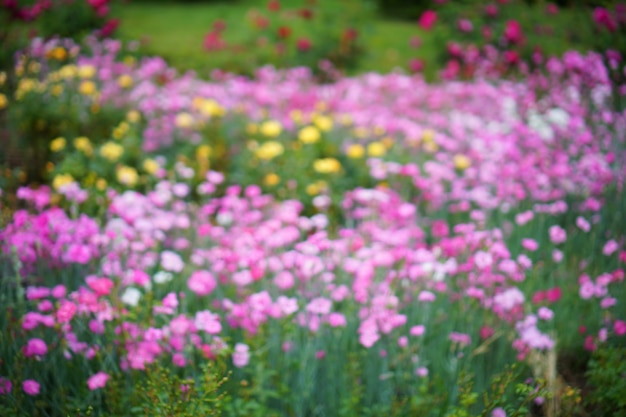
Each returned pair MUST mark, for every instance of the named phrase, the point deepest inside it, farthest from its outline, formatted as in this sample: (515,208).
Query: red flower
(284,32)
(511,57)
(350,34)
(427,19)
(109,27)
(273,5)
(303,44)
(213,41)
(306,14)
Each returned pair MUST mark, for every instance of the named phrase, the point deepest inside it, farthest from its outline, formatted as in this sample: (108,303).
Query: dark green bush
(607,377)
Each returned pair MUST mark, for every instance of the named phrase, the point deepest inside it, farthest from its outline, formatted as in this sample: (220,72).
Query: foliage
(607,378)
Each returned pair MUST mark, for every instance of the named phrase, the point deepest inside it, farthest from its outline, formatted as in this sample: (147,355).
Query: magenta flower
(498,412)
(513,32)
(610,247)
(417,330)
(35,347)
(602,17)
(98,380)
(427,20)
(66,311)
(619,327)
(5,385)
(31,387)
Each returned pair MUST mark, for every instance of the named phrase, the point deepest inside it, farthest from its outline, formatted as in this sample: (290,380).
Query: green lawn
(176,30)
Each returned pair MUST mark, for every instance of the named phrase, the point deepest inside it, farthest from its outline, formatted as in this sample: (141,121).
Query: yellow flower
(345,119)
(57,144)
(101,184)
(316,187)
(271,179)
(323,123)
(83,144)
(327,165)
(112,151)
(203,152)
(133,116)
(3,101)
(355,151)
(120,130)
(184,120)
(34,67)
(56,90)
(210,108)
(68,71)
(309,134)
(87,88)
(59,53)
(461,162)
(269,150)
(431,147)
(127,176)
(376,149)
(150,166)
(86,71)
(24,86)
(61,179)
(271,128)
(428,135)
(125,81)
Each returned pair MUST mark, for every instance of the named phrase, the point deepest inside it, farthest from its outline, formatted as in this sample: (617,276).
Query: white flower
(162,277)
(131,296)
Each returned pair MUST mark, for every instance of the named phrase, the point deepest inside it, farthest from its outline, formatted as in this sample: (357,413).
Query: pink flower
(171,261)
(427,19)
(498,412)
(545,313)
(403,341)
(610,247)
(101,286)
(336,320)
(202,283)
(35,347)
(66,311)
(426,297)
(241,355)
(98,380)
(31,387)
(461,338)
(417,330)
(557,234)
(207,321)
(5,385)
(530,244)
(619,327)
(422,371)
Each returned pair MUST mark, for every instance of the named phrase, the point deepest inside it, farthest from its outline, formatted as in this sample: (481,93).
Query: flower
(87,88)
(270,128)
(111,151)
(269,150)
(3,101)
(35,347)
(327,165)
(5,385)
(57,144)
(131,296)
(461,162)
(427,20)
(202,283)
(557,234)
(309,134)
(60,180)
(127,176)
(98,380)
(241,355)
(323,123)
(376,149)
(184,120)
(31,387)
(355,151)
(125,81)
(83,144)
(271,179)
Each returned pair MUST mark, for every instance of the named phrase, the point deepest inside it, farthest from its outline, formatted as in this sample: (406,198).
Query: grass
(176,31)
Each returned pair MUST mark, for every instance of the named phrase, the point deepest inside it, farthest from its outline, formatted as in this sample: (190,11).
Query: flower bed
(374,245)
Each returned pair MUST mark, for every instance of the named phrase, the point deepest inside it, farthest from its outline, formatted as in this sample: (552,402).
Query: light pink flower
(241,355)
(557,234)
(610,247)
(98,380)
